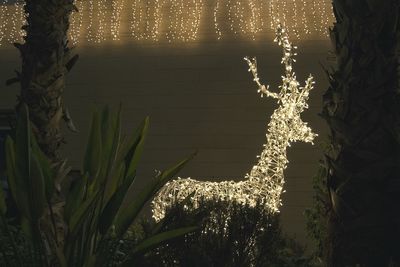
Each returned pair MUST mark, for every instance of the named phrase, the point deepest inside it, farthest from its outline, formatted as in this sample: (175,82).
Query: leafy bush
(229,235)
(317,215)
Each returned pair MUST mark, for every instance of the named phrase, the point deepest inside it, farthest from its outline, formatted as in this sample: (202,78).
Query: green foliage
(3,206)
(316,216)
(12,243)
(230,235)
(94,219)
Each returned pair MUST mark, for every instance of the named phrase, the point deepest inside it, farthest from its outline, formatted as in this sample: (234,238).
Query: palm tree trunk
(46,59)
(362,109)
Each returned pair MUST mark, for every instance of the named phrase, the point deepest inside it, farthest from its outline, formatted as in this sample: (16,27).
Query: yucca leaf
(22,147)
(75,196)
(61,257)
(110,162)
(135,148)
(37,190)
(155,241)
(107,131)
(115,181)
(3,206)
(47,171)
(17,187)
(171,172)
(82,213)
(125,217)
(93,155)
(10,166)
(26,227)
(113,205)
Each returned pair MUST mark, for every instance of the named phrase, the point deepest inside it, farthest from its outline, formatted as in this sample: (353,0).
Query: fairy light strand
(264,184)
(90,28)
(135,23)
(13,37)
(116,15)
(76,22)
(216,24)
(3,21)
(101,15)
(294,19)
(180,20)
(304,20)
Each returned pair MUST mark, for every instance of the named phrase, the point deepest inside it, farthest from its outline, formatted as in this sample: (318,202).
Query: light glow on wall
(264,184)
(181,20)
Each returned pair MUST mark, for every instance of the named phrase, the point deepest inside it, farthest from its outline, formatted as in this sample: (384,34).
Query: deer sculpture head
(292,99)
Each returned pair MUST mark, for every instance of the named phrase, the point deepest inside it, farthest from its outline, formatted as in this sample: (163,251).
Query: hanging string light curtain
(180,20)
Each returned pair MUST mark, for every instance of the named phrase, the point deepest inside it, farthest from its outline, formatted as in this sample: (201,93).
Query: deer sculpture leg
(264,183)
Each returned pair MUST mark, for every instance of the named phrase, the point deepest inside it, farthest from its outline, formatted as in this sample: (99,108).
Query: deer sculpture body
(264,183)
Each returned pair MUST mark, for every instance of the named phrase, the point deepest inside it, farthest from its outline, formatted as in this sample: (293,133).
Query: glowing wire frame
(264,183)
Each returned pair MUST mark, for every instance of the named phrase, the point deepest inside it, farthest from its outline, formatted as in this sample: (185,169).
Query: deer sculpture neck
(264,183)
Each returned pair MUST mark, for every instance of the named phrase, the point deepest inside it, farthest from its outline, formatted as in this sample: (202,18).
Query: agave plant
(362,108)
(83,229)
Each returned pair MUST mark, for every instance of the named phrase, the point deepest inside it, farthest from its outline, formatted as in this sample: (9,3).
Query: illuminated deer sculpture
(264,183)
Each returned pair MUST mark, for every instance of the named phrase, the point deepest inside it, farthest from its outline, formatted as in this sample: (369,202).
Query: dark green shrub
(316,216)
(230,235)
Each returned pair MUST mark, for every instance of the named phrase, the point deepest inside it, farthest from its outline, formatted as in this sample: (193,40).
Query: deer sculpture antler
(264,183)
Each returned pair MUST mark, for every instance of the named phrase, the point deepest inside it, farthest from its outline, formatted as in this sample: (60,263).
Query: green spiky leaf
(135,150)
(93,155)
(3,206)
(125,217)
(37,190)
(75,196)
(83,212)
